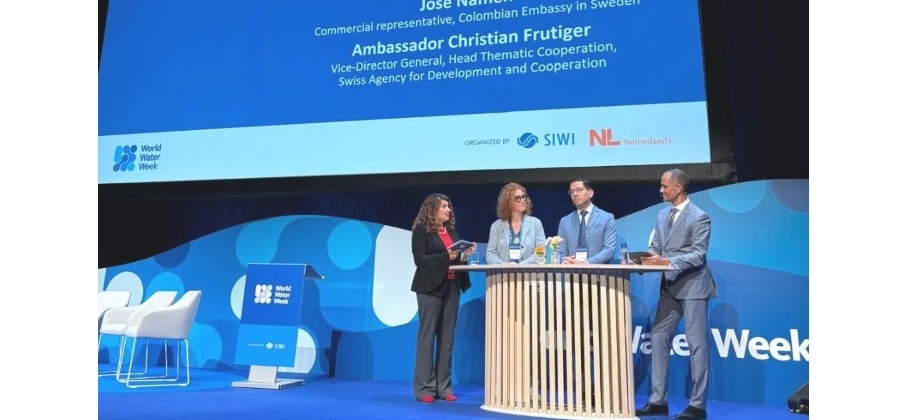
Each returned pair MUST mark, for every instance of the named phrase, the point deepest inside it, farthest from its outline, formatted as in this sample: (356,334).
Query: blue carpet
(211,396)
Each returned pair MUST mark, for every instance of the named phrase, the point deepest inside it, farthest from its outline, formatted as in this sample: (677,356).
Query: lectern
(270,321)
(558,339)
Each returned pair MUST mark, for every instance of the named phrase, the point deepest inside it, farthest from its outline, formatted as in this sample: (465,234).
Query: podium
(558,339)
(270,322)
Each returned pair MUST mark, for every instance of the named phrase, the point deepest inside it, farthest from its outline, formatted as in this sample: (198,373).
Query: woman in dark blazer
(437,291)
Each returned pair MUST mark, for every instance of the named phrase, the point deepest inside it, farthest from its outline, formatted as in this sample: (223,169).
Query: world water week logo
(125,157)
(128,159)
(263,293)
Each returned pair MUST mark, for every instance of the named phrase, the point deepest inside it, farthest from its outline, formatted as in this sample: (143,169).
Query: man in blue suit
(680,240)
(600,232)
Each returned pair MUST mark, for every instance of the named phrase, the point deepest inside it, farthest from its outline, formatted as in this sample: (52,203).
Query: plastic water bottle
(624,254)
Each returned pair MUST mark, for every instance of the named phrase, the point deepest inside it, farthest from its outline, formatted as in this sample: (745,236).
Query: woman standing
(437,291)
(515,234)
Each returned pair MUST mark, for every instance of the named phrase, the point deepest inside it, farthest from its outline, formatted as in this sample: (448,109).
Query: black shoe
(653,410)
(691,413)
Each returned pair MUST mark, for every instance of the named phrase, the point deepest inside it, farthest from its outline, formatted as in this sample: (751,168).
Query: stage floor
(211,396)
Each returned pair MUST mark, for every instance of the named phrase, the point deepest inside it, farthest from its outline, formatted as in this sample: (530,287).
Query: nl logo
(127,157)
(602,137)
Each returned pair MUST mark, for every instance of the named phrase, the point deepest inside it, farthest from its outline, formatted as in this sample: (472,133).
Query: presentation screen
(221,90)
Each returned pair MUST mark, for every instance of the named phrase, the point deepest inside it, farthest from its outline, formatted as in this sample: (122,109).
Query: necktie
(582,234)
(672,217)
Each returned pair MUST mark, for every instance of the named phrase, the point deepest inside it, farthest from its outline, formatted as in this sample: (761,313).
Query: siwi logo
(125,157)
(603,137)
(263,293)
(528,140)
(274,346)
(741,346)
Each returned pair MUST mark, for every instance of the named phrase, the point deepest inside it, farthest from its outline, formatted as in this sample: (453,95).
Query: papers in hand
(461,245)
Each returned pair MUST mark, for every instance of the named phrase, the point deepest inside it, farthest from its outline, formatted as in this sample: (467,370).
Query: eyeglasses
(577,190)
(520,198)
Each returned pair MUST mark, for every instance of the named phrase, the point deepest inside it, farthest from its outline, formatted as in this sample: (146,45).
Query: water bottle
(624,254)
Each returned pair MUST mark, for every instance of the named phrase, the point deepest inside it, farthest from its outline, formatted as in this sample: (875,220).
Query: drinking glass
(556,258)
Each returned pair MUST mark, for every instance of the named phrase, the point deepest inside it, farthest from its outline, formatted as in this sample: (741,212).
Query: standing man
(598,242)
(680,240)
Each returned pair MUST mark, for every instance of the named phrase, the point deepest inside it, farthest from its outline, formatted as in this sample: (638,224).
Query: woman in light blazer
(515,226)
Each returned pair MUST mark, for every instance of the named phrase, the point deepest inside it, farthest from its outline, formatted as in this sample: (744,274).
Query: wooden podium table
(558,340)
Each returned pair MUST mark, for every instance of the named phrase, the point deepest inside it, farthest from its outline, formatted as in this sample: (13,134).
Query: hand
(568,259)
(453,254)
(467,252)
(655,260)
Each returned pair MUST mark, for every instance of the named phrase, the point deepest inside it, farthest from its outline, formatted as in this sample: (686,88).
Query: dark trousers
(437,320)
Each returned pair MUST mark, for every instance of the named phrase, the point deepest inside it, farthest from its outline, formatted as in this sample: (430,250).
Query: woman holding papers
(513,237)
(437,291)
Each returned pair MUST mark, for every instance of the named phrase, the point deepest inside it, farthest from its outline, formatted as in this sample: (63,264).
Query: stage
(211,396)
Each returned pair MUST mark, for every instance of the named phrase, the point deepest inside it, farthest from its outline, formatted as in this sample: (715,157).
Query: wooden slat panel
(578,337)
(503,361)
(629,397)
(517,383)
(594,346)
(489,343)
(544,342)
(554,334)
(605,345)
(569,342)
(532,339)
(559,342)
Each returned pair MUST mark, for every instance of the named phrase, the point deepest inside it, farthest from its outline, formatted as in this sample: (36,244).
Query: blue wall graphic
(361,320)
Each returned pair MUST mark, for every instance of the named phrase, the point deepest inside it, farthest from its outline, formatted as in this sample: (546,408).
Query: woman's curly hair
(506,198)
(428,214)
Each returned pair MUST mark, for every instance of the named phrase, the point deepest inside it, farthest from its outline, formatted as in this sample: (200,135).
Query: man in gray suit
(680,240)
(600,237)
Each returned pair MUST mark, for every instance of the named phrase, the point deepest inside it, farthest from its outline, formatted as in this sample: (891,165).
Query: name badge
(515,252)
(581,254)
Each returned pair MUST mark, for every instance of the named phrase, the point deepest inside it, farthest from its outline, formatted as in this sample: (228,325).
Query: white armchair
(173,322)
(115,320)
(109,299)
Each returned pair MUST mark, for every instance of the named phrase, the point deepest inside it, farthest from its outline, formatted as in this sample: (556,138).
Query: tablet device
(636,257)
(461,245)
